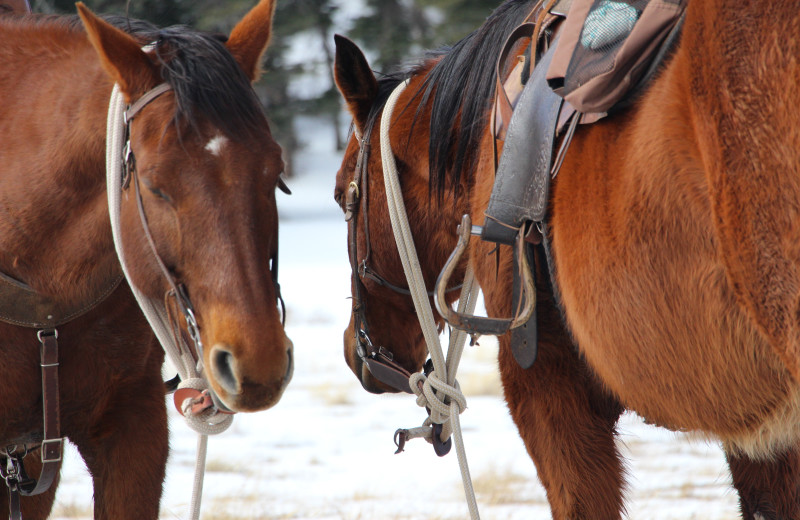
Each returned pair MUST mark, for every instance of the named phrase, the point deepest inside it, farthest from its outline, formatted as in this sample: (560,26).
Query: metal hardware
(479,324)
(46,332)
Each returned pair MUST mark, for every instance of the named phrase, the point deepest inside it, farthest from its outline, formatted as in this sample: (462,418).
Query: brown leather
(53,443)
(51,448)
(21,305)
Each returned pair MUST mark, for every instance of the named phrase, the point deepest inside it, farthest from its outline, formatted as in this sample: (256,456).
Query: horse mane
(461,81)
(462,84)
(204,76)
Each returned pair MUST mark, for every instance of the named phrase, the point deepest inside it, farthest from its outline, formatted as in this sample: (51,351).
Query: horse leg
(35,507)
(568,424)
(768,489)
(126,452)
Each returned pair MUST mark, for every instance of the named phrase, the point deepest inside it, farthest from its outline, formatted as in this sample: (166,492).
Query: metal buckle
(46,450)
(46,332)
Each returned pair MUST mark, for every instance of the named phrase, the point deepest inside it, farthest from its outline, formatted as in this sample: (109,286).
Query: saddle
(534,110)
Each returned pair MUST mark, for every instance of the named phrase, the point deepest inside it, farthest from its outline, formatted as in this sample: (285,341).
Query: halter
(204,413)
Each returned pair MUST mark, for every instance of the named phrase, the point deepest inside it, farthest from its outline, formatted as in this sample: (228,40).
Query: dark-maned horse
(207,167)
(674,236)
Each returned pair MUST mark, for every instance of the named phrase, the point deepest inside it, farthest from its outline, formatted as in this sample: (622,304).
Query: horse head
(384,326)
(199,213)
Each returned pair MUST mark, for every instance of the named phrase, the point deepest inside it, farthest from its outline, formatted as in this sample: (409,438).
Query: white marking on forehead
(216,143)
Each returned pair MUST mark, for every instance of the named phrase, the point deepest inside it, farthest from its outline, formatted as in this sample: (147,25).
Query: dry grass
(331,395)
(497,487)
(222,466)
(480,384)
(478,373)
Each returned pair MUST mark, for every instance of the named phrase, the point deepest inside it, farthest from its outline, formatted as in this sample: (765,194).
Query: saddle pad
(607,46)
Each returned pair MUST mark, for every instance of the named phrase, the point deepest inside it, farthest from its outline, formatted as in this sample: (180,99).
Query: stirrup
(479,324)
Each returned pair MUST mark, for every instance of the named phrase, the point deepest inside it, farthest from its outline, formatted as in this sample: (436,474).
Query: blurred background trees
(298,79)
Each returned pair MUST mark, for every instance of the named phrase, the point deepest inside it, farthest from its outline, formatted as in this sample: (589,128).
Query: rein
(436,389)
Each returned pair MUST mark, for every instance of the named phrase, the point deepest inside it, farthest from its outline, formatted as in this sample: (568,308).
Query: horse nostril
(289,366)
(224,369)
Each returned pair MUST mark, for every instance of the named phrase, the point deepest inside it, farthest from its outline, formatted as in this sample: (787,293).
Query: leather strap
(53,443)
(51,448)
(524,339)
(148,96)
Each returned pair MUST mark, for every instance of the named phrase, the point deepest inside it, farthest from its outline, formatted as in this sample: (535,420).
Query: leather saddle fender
(520,193)
(522,182)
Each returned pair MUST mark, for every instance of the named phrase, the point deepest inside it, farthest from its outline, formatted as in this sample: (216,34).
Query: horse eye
(160,194)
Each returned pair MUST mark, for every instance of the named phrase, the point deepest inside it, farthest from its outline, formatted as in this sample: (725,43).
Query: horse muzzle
(244,386)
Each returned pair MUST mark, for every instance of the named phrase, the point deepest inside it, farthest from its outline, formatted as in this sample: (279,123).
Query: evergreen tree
(392,29)
(159,12)
(458,18)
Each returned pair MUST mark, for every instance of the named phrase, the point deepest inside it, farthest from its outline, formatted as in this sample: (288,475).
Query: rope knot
(437,395)
(193,401)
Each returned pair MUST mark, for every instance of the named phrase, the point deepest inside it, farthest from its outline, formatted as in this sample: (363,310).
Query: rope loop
(209,421)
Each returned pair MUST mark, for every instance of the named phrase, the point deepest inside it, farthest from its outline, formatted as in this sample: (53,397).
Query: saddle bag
(606,47)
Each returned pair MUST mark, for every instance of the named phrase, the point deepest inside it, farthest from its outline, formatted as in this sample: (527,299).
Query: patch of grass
(480,384)
(497,487)
(331,395)
(222,466)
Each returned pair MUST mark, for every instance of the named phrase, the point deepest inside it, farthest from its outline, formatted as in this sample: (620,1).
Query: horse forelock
(205,78)
(208,82)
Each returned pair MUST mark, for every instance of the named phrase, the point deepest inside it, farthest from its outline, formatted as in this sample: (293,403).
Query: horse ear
(120,55)
(250,37)
(355,79)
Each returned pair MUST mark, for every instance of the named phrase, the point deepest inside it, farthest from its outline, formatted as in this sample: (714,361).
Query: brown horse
(673,241)
(206,168)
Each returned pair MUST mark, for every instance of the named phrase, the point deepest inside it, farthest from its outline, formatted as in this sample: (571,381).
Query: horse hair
(461,84)
(206,79)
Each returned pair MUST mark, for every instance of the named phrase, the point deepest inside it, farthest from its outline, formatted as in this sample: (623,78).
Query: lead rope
(154,310)
(439,390)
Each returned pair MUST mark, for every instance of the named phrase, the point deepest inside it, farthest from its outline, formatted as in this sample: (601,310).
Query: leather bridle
(379,360)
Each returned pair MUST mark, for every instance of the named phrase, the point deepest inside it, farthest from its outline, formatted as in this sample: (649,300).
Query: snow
(325,452)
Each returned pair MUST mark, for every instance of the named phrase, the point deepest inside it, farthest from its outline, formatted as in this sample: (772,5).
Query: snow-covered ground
(325,452)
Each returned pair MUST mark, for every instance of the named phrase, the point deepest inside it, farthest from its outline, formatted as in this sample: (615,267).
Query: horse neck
(54,230)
